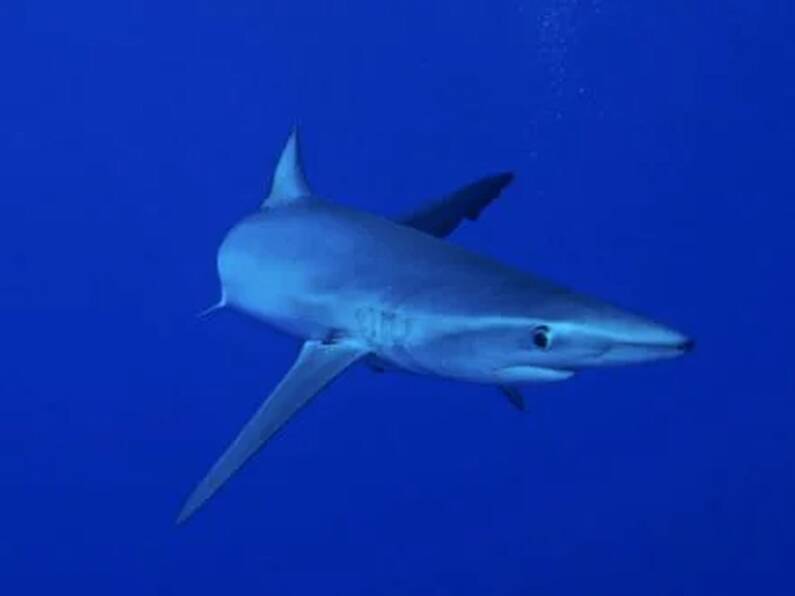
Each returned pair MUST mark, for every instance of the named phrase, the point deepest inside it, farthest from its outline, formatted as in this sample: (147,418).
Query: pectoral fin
(317,365)
(514,396)
(440,218)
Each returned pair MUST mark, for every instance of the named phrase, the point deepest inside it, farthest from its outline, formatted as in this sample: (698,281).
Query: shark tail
(217,306)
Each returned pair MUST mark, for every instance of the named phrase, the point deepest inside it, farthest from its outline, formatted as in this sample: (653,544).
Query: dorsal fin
(289,183)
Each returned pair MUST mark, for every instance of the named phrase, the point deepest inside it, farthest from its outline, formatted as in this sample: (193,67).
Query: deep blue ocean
(653,147)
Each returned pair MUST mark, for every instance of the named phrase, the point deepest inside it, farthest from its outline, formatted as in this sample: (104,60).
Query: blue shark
(354,286)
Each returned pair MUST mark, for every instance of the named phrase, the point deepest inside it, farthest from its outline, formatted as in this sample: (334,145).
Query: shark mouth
(533,374)
(636,352)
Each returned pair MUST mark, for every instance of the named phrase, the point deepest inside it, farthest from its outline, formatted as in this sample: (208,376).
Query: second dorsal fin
(289,183)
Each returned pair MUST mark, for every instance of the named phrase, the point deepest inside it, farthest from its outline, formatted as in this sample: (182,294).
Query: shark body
(356,286)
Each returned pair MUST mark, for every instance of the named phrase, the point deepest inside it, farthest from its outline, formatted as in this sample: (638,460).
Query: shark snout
(688,345)
(644,341)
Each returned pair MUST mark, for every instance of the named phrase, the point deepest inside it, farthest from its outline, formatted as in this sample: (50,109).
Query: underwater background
(653,150)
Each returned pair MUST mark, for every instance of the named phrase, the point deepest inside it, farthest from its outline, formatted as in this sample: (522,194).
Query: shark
(394,294)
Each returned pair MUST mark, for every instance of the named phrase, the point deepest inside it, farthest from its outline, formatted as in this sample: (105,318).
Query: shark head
(581,333)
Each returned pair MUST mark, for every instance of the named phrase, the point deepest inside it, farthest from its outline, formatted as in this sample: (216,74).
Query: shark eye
(541,337)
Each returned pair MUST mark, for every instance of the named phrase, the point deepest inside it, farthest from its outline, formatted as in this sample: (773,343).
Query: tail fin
(210,310)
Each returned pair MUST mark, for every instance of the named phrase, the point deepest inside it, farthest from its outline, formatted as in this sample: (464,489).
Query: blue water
(653,148)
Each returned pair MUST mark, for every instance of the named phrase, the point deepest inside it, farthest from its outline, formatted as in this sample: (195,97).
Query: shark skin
(354,286)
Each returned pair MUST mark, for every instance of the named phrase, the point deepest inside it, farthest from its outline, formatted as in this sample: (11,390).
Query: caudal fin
(210,310)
